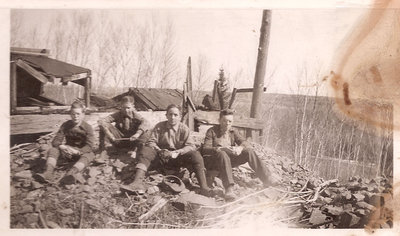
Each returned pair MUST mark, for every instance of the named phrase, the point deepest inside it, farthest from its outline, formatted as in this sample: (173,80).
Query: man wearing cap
(225,148)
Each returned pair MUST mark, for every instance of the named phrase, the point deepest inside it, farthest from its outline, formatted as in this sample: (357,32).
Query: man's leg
(51,162)
(102,135)
(248,155)
(194,160)
(145,156)
(84,161)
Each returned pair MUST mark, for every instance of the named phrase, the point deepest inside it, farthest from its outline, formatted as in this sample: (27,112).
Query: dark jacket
(213,140)
(80,137)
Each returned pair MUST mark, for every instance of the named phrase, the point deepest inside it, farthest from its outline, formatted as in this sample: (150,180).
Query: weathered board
(30,124)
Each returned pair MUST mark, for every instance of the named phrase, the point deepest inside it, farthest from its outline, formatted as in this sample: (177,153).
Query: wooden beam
(30,51)
(13,87)
(189,78)
(32,71)
(261,64)
(88,84)
(214,93)
(233,96)
(248,90)
(212,118)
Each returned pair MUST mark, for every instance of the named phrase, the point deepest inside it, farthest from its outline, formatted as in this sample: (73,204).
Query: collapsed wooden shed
(36,81)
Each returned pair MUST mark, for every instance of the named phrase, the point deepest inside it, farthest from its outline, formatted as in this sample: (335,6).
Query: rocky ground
(299,200)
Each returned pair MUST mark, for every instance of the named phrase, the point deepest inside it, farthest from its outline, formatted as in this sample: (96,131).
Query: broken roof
(155,99)
(49,66)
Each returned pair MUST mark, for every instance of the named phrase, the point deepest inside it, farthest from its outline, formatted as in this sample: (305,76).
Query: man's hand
(175,154)
(237,150)
(69,151)
(134,137)
(164,155)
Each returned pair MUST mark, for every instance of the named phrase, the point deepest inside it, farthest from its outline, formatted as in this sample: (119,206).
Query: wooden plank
(248,90)
(13,87)
(36,74)
(212,117)
(30,51)
(233,96)
(30,124)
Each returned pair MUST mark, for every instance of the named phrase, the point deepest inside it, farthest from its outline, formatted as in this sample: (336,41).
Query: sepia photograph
(203,118)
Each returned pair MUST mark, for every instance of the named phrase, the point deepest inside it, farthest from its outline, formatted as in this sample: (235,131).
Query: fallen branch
(82,211)
(19,146)
(236,201)
(42,219)
(160,203)
(144,224)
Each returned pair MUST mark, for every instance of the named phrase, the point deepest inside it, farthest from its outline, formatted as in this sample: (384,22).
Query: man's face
(77,115)
(226,122)
(173,116)
(127,108)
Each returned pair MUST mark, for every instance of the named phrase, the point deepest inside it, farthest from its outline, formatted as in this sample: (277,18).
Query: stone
(194,198)
(358,197)
(347,220)
(25,174)
(92,203)
(32,218)
(34,194)
(317,217)
(87,188)
(366,206)
(91,181)
(36,185)
(52,225)
(67,211)
(107,170)
(153,190)
(334,210)
(26,209)
(180,204)
(93,172)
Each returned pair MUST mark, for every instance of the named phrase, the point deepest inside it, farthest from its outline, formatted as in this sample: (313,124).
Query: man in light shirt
(170,145)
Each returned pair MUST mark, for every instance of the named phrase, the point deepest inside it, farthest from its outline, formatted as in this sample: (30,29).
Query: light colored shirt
(164,136)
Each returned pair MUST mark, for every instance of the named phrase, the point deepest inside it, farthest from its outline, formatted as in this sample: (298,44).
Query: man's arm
(240,140)
(153,140)
(59,138)
(104,122)
(208,148)
(144,125)
(189,144)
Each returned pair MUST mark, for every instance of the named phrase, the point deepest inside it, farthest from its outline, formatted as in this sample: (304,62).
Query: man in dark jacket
(225,148)
(131,130)
(79,144)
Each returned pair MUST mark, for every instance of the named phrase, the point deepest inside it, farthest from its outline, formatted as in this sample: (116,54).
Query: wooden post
(190,115)
(233,96)
(88,84)
(189,78)
(214,94)
(261,64)
(13,87)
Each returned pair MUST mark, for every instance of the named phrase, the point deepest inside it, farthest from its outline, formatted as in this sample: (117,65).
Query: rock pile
(313,202)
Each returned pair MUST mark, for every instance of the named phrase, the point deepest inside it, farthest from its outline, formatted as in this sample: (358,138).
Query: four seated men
(169,145)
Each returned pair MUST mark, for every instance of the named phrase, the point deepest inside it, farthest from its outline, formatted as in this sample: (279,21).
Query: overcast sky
(300,39)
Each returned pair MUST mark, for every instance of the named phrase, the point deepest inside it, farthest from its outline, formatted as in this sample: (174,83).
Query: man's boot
(201,177)
(137,186)
(229,193)
(46,176)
